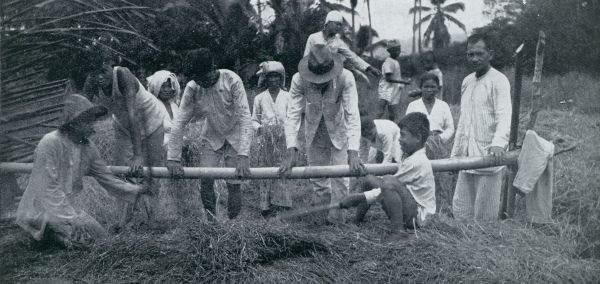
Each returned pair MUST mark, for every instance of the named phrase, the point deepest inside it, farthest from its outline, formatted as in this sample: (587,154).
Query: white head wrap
(334,16)
(268,67)
(160,77)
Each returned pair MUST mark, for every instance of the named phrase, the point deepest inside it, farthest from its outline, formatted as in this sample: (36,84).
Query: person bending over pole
(138,123)
(218,96)
(327,92)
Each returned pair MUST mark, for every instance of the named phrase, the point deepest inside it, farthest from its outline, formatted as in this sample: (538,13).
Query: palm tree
(437,26)
(414,43)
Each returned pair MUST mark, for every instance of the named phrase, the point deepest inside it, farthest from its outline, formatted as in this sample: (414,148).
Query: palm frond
(423,20)
(419,8)
(454,7)
(455,21)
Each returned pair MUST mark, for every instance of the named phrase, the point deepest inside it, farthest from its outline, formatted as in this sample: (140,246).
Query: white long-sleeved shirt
(223,106)
(440,118)
(335,44)
(337,105)
(485,116)
(265,111)
(386,141)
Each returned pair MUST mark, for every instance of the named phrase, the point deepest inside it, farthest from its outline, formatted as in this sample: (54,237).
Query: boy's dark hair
(428,56)
(198,62)
(486,38)
(429,76)
(417,124)
(366,124)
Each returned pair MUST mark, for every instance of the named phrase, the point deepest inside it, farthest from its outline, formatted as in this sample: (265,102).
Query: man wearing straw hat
(327,93)
(330,37)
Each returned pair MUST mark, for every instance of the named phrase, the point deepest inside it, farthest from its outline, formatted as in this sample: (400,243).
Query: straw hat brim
(306,74)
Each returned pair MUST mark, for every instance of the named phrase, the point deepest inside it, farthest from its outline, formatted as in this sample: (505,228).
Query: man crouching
(407,197)
(62,158)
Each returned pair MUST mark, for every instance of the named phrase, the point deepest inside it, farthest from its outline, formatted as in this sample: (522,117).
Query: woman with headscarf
(269,112)
(62,158)
(165,86)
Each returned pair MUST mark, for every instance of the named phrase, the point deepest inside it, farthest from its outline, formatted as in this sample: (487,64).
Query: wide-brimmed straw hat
(320,65)
(77,106)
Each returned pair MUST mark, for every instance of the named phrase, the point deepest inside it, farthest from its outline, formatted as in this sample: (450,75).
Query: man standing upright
(327,92)
(219,97)
(330,37)
(483,130)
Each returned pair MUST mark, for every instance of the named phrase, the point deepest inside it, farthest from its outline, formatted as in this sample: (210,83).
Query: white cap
(334,16)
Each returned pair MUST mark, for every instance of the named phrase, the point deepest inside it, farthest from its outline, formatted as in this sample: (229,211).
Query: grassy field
(251,249)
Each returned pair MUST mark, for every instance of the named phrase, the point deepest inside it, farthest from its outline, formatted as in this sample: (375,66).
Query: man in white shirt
(328,93)
(391,85)
(483,130)
(330,37)
(217,96)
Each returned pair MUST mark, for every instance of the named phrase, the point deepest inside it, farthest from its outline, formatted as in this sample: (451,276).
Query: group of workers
(150,123)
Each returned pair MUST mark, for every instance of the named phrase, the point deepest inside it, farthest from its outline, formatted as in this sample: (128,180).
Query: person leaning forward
(330,37)
(327,93)
(218,96)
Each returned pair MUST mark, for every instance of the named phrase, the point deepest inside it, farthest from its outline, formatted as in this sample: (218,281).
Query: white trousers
(322,153)
(477,196)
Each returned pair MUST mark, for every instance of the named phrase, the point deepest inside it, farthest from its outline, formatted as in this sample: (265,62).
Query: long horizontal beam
(442,165)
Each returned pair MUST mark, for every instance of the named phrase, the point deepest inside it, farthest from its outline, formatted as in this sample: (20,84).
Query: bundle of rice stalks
(201,252)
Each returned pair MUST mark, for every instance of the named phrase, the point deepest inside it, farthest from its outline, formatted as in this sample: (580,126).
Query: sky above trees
(391,19)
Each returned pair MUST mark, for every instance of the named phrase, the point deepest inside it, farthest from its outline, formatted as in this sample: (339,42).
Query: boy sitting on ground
(407,197)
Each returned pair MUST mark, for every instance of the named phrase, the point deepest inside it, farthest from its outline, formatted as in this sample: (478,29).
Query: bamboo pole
(442,165)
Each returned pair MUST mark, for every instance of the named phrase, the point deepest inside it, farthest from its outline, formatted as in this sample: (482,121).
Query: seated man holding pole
(218,96)
(408,197)
(328,93)
(47,210)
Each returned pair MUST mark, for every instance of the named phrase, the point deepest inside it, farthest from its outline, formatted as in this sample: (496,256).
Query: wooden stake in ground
(536,94)
(508,192)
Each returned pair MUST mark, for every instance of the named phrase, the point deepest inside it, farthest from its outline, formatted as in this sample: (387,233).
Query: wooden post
(536,94)
(508,192)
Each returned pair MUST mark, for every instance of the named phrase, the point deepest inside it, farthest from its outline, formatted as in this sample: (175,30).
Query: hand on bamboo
(356,166)
(242,168)
(496,151)
(136,167)
(175,169)
(286,167)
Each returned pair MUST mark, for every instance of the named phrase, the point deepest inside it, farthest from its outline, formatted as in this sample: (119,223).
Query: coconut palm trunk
(370,26)
(420,18)
(414,43)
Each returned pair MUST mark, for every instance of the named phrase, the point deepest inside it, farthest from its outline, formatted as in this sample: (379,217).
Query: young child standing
(391,85)
(408,197)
